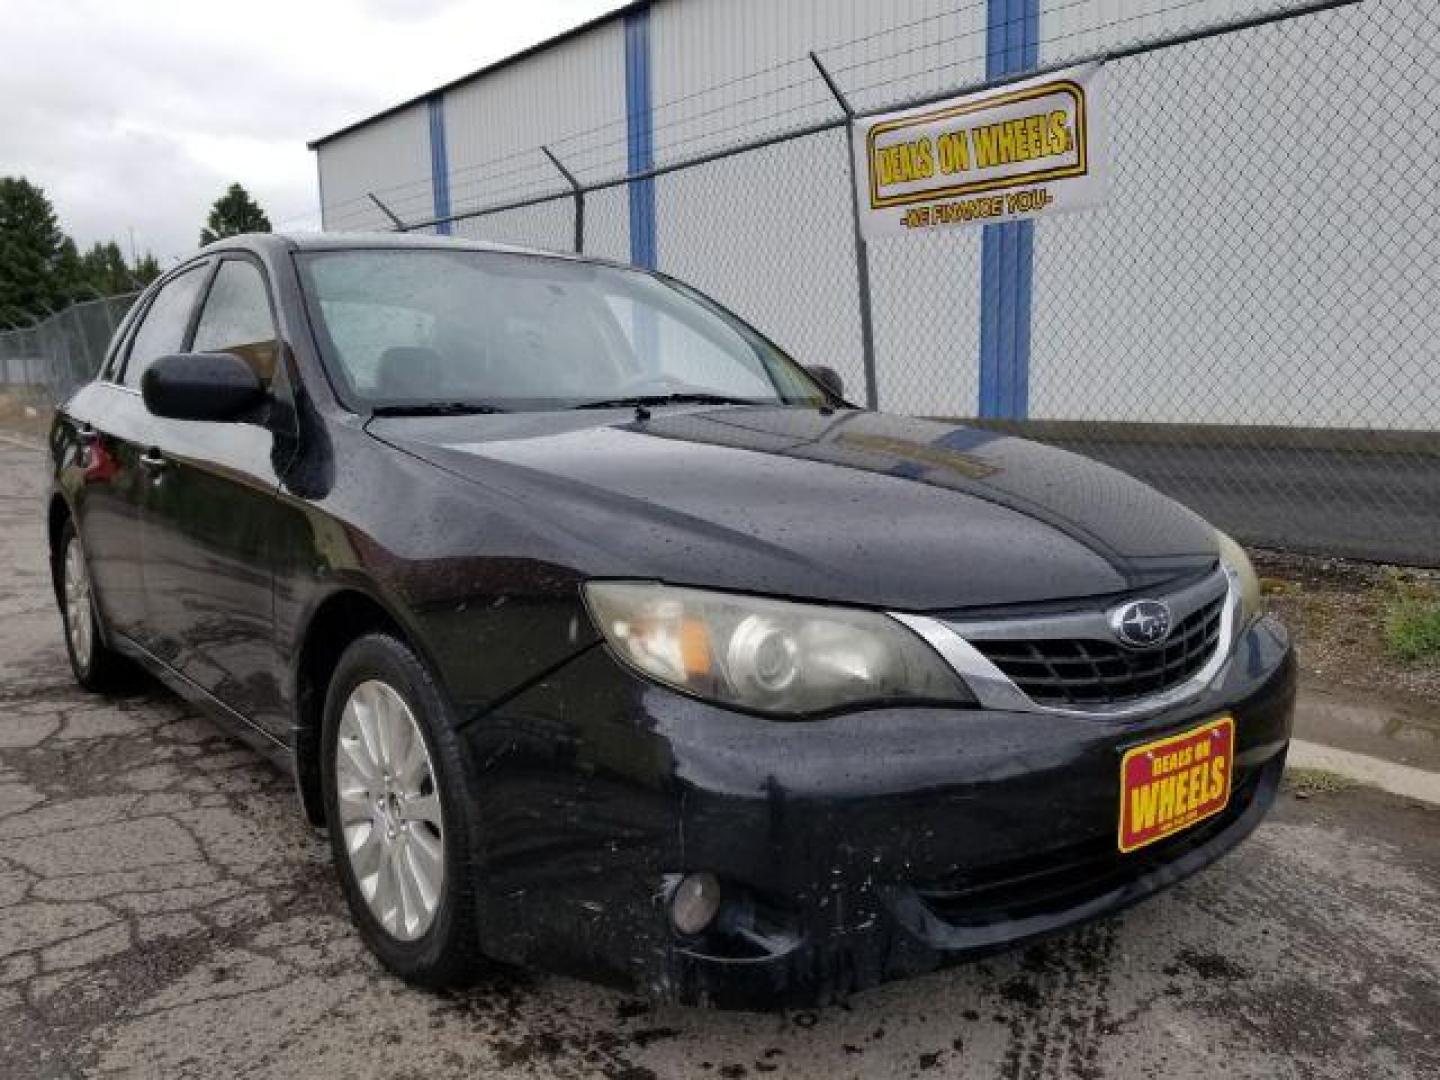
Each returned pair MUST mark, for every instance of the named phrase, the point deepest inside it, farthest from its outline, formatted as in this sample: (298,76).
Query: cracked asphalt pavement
(164,911)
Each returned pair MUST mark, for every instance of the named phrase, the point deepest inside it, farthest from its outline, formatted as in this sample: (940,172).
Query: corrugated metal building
(1229,177)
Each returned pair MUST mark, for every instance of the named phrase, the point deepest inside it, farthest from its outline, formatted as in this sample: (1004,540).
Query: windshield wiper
(684,398)
(436,408)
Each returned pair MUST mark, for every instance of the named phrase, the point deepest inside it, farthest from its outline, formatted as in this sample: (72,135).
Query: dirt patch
(1209,965)
(1337,610)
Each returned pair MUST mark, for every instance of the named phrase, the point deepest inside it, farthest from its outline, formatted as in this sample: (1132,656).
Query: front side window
(119,346)
(511,331)
(236,319)
(162,327)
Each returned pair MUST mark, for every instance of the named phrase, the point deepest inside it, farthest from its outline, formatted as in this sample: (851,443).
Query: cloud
(139,115)
(405,10)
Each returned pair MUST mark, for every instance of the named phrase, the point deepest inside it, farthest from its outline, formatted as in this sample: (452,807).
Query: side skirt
(236,724)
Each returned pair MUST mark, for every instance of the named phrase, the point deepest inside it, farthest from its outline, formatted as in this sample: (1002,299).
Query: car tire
(96,666)
(383,814)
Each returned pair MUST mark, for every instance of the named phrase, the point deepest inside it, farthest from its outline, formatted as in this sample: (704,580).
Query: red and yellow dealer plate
(1171,783)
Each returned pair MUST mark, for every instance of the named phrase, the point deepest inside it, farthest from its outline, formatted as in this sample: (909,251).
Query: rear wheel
(399,818)
(96,666)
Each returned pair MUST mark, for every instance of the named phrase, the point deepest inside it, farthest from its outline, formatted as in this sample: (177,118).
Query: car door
(212,517)
(116,431)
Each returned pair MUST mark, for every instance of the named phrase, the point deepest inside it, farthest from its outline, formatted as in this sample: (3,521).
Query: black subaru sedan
(606,639)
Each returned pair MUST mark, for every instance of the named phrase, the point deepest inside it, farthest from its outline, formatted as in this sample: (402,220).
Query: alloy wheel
(78,623)
(390,811)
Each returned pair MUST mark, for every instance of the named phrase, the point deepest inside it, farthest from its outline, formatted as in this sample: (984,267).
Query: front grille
(1064,878)
(1089,671)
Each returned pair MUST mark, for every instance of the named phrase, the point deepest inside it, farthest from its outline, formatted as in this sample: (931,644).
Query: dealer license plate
(1168,785)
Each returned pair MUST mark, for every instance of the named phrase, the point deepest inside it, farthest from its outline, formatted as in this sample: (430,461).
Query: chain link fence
(1250,321)
(48,361)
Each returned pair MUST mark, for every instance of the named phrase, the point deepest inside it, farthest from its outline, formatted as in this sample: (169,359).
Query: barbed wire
(419,186)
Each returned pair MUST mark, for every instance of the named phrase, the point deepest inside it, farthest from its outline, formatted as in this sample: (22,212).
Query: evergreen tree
(42,270)
(30,249)
(70,273)
(146,270)
(234,213)
(105,270)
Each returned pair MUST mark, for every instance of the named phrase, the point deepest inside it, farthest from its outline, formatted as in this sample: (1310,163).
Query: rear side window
(236,319)
(162,328)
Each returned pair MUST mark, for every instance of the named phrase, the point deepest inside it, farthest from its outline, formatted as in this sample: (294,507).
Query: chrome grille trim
(1088,624)
(1078,671)
(994,689)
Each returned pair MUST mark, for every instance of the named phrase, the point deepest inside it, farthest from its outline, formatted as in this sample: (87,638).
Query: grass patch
(1306,782)
(1412,624)
(1277,586)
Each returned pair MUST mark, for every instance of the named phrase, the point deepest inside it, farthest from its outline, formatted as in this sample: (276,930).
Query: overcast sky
(138,114)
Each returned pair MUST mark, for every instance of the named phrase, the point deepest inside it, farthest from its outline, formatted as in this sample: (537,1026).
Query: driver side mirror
(827,377)
(201,386)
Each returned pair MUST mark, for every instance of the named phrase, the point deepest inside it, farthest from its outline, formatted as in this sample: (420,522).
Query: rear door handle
(153,460)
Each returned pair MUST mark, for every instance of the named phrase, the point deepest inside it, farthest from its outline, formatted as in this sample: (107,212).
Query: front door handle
(153,460)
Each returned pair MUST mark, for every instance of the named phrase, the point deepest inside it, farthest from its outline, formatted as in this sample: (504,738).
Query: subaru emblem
(1141,624)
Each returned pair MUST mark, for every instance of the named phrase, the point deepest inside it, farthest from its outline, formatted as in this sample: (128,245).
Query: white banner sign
(1020,151)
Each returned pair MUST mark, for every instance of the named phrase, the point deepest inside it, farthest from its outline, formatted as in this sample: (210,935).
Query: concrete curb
(1403,780)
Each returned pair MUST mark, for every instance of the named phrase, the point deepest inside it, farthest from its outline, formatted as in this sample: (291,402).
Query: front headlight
(1237,564)
(768,655)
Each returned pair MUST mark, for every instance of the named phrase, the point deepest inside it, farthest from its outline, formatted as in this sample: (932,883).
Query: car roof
(275,243)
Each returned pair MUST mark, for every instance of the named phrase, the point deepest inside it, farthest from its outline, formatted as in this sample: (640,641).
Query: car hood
(851,506)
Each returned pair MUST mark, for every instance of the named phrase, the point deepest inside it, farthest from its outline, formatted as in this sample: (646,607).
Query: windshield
(451,329)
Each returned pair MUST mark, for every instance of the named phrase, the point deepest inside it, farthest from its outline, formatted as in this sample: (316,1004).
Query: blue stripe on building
(439,163)
(1012,44)
(640,137)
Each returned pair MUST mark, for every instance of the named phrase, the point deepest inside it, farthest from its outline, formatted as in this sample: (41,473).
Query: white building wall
(570,98)
(725,71)
(770,233)
(1070,28)
(390,157)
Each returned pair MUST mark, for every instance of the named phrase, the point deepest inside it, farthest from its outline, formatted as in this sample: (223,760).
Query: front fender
(457,573)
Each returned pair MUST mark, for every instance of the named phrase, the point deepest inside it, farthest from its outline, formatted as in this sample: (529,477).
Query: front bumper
(853,850)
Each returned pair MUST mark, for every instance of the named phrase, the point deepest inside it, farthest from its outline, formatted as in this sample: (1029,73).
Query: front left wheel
(399,820)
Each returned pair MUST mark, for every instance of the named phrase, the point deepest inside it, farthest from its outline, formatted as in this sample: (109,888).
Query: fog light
(695,903)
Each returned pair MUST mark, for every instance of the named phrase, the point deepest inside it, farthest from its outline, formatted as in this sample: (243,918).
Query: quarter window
(236,319)
(162,328)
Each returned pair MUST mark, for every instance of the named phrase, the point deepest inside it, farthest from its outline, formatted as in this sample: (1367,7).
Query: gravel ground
(164,912)
(1336,610)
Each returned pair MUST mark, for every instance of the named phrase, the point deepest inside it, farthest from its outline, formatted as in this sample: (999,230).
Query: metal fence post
(862,250)
(579,199)
(394,218)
